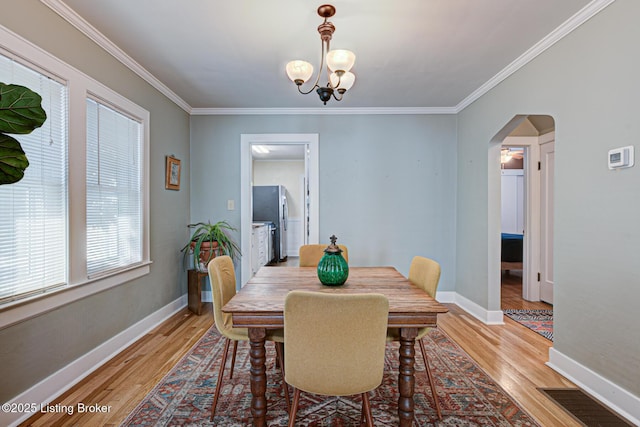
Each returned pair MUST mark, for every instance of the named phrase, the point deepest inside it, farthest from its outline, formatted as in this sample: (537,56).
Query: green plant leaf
(207,232)
(20,109)
(13,161)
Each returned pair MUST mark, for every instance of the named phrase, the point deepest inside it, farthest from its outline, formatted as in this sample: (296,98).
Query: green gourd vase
(333,269)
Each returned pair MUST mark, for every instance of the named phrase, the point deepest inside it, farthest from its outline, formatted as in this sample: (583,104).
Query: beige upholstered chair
(223,287)
(424,273)
(319,361)
(310,255)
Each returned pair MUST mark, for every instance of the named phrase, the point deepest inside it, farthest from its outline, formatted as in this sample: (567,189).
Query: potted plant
(20,113)
(209,240)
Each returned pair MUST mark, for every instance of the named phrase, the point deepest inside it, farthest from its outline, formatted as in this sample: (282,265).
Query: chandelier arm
(335,88)
(309,91)
(324,54)
(329,78)
(315,84)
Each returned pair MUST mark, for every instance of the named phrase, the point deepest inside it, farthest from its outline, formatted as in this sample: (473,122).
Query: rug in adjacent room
(468,397)
(540,321)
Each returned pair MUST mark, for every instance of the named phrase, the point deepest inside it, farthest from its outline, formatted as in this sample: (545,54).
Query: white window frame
(80,87)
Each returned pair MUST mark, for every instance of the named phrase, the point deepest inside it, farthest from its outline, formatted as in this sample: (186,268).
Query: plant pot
(208,251)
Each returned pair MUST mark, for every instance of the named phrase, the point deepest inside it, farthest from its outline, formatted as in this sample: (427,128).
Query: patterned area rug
(468,397)
(540,321)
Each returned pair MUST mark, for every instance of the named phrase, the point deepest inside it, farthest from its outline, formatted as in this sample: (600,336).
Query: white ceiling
(429,54)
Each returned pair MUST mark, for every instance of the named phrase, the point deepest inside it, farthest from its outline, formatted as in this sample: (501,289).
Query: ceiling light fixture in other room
(339,63)
(260,149)
(505,156)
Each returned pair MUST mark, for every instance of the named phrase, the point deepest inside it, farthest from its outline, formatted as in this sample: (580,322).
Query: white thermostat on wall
(621,157)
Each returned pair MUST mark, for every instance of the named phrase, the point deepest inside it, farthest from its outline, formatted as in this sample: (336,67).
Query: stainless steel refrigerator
(270,205)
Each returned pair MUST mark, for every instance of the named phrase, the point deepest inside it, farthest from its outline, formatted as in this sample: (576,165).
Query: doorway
(519,280)
(307,144)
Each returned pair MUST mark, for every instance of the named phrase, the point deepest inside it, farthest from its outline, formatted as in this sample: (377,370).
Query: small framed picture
(172,179)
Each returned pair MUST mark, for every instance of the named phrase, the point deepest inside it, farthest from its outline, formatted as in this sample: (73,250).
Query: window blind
(114,189)
(33,217)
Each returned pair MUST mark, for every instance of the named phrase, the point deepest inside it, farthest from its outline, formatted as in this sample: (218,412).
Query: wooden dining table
(259,306)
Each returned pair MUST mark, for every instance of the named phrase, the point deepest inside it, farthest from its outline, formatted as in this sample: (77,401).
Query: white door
(547,156)
(305,198)
(512,199)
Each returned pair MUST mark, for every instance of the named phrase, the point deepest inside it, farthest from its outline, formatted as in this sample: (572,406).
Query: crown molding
(552,38)
(90,31)
(320,111)
(549,40)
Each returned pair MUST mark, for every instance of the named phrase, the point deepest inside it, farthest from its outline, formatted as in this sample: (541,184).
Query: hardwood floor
(515,358)
(292,261)
(124,381)
(512,355)
(511,294)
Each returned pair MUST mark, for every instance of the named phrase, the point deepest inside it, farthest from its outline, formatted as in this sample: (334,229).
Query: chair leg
(233,358)
(280,360)
(431,383)
(294,407)
(216,394)
(366,409)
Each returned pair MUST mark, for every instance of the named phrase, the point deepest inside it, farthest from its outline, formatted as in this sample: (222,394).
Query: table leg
(406,379)
(258,376)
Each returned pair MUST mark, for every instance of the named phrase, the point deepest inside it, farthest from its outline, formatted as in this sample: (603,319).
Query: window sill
(22,310)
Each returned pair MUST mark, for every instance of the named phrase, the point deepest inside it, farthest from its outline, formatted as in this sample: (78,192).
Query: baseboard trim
(612,395)
(446,297)
(53,386)
(618,399)
(489,317)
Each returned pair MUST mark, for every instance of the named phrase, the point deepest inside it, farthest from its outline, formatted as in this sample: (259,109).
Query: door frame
(546,216)
(311,140)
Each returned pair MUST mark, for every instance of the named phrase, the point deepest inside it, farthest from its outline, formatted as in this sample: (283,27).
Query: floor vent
(584,408)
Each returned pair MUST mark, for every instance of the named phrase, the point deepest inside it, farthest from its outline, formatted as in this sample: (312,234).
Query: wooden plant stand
(195,290)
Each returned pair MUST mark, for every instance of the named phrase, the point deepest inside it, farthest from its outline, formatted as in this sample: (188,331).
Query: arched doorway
(528,136)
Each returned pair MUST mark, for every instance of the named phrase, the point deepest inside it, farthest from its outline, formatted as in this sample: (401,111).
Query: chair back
(223,287)
(425,273)
(310,255)
(334,343)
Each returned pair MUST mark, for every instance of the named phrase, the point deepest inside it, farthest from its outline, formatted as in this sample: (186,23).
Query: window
(33,218)
(78,222)
(114,191)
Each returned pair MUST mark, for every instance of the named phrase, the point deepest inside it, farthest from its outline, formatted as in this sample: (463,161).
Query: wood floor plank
(511,294)
(511,354)
(124,381)
(515,358)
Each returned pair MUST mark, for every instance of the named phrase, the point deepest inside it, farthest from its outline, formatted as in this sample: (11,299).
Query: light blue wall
(391,188)
(36,348)
(589,82)
(387,183)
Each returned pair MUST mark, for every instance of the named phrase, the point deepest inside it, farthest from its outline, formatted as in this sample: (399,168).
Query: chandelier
(505,155)
(339,62)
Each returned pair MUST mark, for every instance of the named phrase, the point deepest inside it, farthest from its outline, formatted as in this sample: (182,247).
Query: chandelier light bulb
(299,71)
(346,81)
(340,60)
(505,155)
